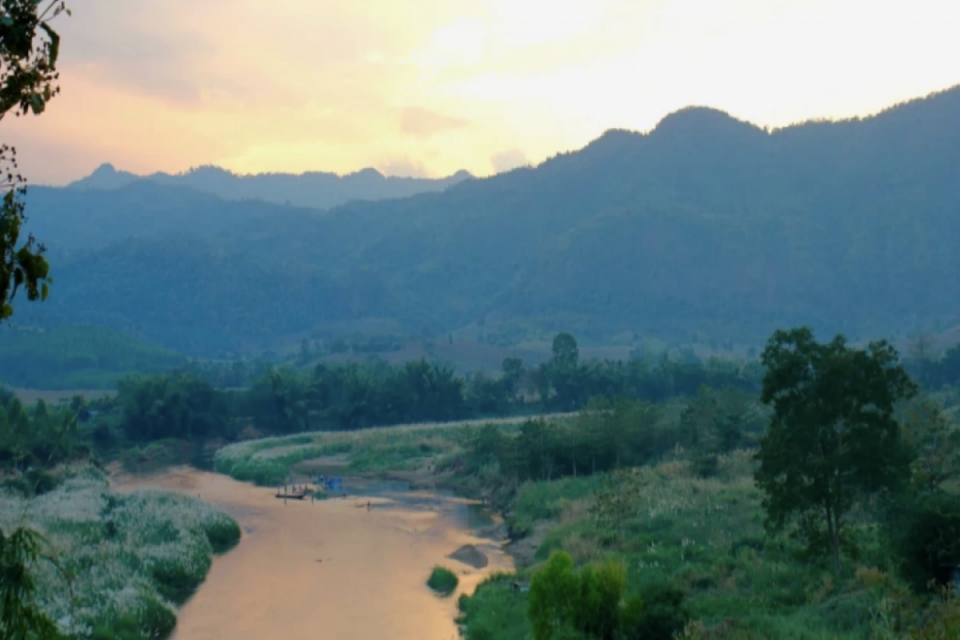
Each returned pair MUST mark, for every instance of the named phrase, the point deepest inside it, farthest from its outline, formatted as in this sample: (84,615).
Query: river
(331,569)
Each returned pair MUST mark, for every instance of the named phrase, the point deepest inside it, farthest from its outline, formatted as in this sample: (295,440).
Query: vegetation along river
(333,568)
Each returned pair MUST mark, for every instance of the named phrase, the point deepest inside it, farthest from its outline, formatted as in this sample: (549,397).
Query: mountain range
(705,226)
(313,189)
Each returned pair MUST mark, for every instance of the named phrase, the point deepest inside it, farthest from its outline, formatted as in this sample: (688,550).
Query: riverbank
(426,456)
(391,449)
(686,528)
(118,563)
(333,565)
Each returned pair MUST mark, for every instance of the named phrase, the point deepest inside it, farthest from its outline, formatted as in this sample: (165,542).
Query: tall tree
(925,354)
(29,48)
(565,351)
(512,376)
(833,437)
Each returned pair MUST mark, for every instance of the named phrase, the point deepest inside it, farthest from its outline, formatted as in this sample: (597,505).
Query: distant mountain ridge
(317,190)
(705,226)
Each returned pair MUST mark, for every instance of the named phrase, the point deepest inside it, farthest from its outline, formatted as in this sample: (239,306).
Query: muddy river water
(332,569)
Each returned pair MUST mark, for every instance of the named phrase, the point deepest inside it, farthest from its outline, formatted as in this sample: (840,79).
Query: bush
(223,534)
(927,535)
(664,612)
(443,581)
(568,603)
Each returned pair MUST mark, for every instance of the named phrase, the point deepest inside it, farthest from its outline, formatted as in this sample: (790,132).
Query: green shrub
(222,534)
(495,611)
(34,482)
(568,603)
(926,535)
(664,612)
(443,581)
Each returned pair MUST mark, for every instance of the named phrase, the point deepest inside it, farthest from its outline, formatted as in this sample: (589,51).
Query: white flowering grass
(125,561)
(268,461)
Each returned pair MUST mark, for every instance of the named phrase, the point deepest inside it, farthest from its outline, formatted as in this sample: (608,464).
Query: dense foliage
(42,435)
(186,406)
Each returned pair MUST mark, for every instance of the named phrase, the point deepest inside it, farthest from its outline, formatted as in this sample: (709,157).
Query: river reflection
(331,569)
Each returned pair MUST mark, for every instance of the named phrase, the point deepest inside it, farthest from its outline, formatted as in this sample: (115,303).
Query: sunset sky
(427,87)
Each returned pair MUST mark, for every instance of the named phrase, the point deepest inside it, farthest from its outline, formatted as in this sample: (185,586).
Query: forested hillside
(77,357)
(706,225)
(312,189)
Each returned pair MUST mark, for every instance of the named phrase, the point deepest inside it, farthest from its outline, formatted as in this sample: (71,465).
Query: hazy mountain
(705,225)
(73,219)
(312,189)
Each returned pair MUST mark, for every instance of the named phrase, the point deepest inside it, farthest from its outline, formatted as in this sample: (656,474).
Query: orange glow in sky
(427,87)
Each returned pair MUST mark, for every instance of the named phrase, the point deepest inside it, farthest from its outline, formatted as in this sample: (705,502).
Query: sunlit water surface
(331,569)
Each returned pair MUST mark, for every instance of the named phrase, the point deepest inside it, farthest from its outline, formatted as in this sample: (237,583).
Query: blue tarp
(330,483)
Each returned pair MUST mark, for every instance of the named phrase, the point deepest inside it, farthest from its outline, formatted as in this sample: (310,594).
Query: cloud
(429,87)
(509,159)
(404,168)
(423,123)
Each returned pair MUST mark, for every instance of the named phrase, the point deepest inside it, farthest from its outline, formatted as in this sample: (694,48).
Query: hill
(77,357)
(312,189)
(704,227)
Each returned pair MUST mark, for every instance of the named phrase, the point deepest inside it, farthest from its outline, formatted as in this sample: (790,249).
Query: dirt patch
(470,556)
(524,550)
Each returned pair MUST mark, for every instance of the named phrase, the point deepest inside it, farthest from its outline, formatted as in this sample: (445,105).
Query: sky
(428,87)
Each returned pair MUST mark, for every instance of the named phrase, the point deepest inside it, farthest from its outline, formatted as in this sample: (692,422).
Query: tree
(601,595)
(697,419)
(563,372)
(925,354)
(935,444)
(566,603)
(29,48)
(512,376)
(833,437)
(554,592)
(565,351)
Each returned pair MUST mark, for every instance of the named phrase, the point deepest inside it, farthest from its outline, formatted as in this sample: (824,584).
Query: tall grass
(122,563)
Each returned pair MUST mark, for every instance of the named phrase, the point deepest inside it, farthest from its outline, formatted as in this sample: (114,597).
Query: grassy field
(119,565)
(703,535)
(269,461)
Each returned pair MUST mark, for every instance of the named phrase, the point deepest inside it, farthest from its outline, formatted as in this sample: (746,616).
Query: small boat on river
(291,496)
